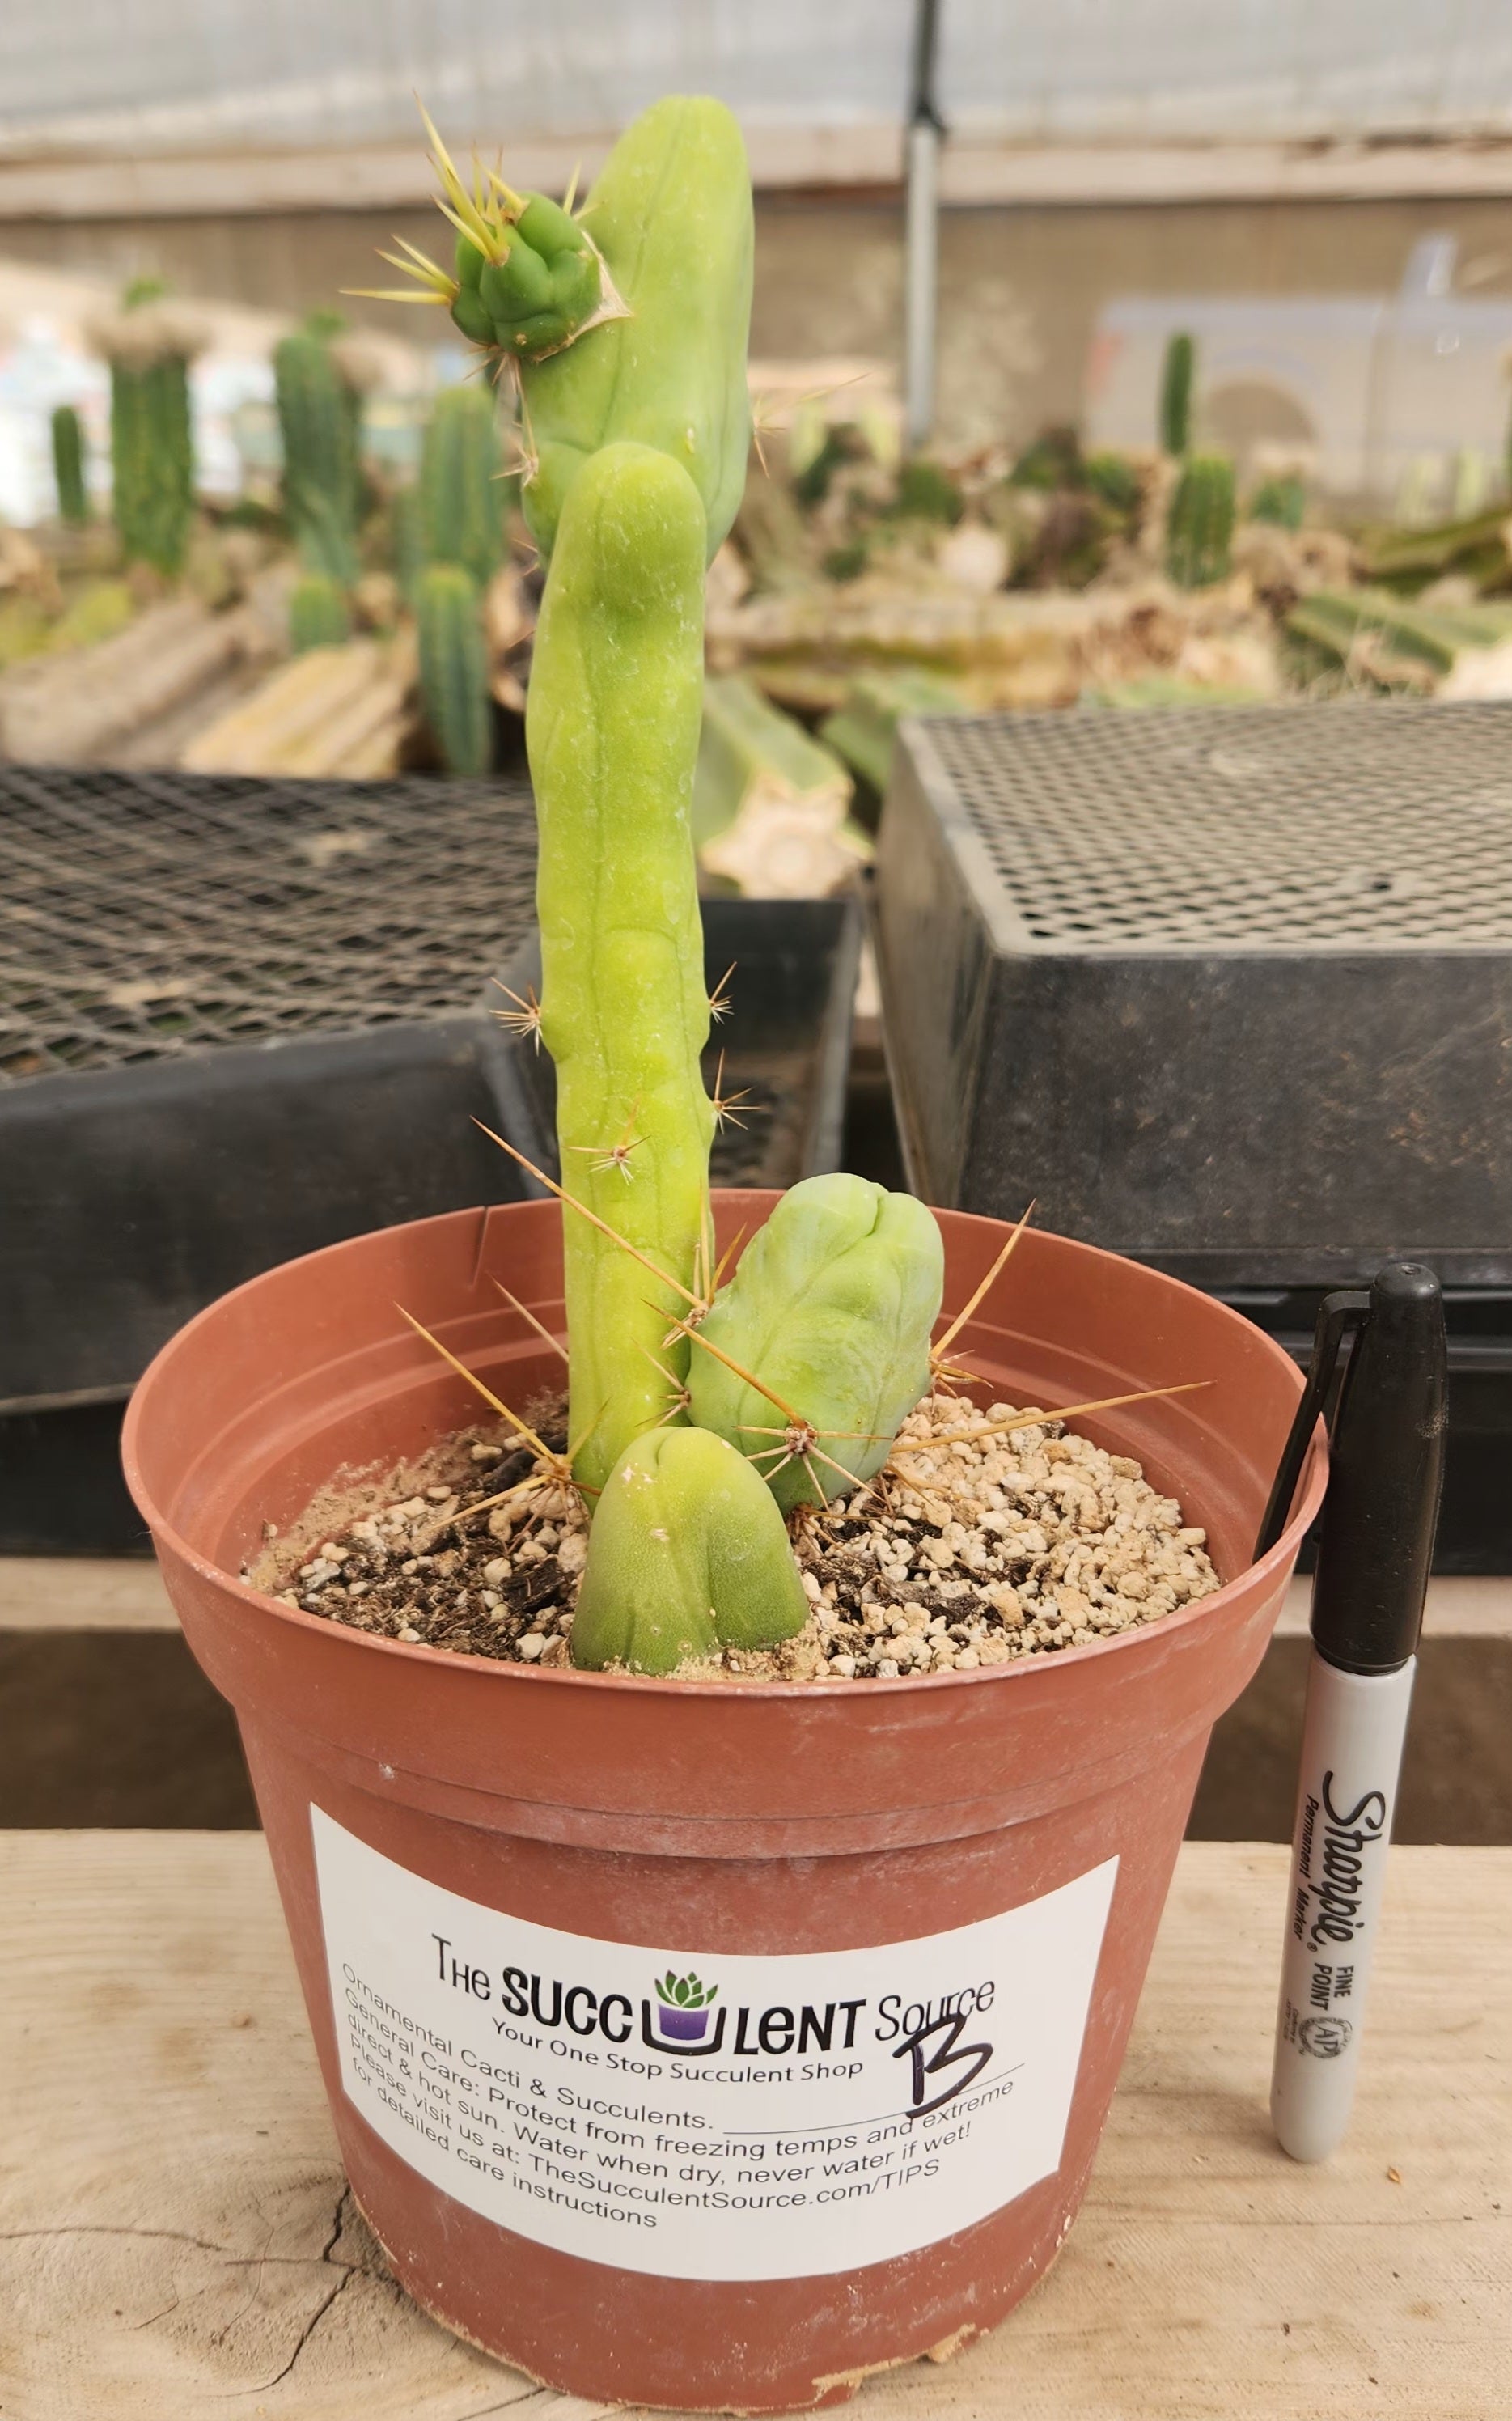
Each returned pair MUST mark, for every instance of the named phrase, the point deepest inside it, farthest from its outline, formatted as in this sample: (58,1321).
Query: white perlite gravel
(991,1536)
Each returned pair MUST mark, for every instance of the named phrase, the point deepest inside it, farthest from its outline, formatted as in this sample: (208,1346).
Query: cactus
(461,484)
(1176,373)
(689,1553)
(317,614)
(1280,499)
(319,419)
(149,344)
(68,465)
(612,727)
(454,670)
(407,542)
(832,1307)
(637,429)
(1201,523)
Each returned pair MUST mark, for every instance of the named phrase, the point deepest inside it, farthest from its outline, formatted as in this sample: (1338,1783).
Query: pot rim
(736,1687)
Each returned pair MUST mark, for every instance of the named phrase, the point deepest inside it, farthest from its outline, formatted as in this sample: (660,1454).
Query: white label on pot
(696,2113)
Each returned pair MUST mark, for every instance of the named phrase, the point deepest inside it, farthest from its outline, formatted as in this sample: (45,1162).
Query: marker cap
(1386,1471)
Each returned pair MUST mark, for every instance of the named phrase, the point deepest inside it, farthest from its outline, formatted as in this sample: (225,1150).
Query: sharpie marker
(1381,1509)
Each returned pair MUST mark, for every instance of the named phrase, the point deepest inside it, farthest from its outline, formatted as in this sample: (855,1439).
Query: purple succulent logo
(683,2006)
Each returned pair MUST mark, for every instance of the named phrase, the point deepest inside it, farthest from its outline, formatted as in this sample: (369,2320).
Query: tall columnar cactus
(150,344)
(462,483)
(319,418)
(68,465)
(612,726)
(627,328)
(454,672)
(1175,394)
(1201,524)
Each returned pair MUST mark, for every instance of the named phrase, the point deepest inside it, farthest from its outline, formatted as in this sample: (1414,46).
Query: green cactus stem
(317,614)
(319,418)
(832,1308)
(688,1555)
(454,672)
(68,466)
(462,483)
(1177,372)
(612,729)
(1201,524)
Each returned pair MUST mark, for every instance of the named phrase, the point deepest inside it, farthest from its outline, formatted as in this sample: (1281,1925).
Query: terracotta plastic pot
(880,1883)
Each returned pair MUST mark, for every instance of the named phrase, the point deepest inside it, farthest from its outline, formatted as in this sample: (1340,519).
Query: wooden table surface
(176,2243)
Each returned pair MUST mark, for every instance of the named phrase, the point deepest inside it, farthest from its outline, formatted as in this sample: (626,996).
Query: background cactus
(319,418)
(1201,524)
(68,465)
(317,614)
(463,488)
(1280,499)
(454,672)
(149,344)
(407,542)
(612,727)
(1177,372)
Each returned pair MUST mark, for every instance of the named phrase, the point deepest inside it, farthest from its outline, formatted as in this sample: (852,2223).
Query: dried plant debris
(981,1542)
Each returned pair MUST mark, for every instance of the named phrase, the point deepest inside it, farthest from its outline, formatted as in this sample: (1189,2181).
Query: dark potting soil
(991,1536)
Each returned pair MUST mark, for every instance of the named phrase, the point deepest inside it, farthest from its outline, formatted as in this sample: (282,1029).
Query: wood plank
(174,2238)
(103,1593)
(83,1593)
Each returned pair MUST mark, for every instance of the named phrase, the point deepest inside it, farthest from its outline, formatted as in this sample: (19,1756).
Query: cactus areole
(624,327)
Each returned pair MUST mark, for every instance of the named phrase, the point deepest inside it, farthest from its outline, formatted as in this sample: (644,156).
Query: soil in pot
(989,1537)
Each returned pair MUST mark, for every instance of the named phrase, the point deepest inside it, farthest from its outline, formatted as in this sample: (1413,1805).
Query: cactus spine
(318,615)
(454,672)
(1175,394)
(1201,523)
(319,418)
(68,465)
(461,485)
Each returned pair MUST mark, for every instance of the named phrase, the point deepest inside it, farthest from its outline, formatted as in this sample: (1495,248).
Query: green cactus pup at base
(454,668)
(1201,524)
(612,727)
(461,485)
(688,1555)
(832,1307)
(1177,372)
(68,465)
(318,615)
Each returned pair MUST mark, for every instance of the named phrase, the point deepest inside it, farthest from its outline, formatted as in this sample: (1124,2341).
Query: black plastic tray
(1230,991)
(242,1020)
